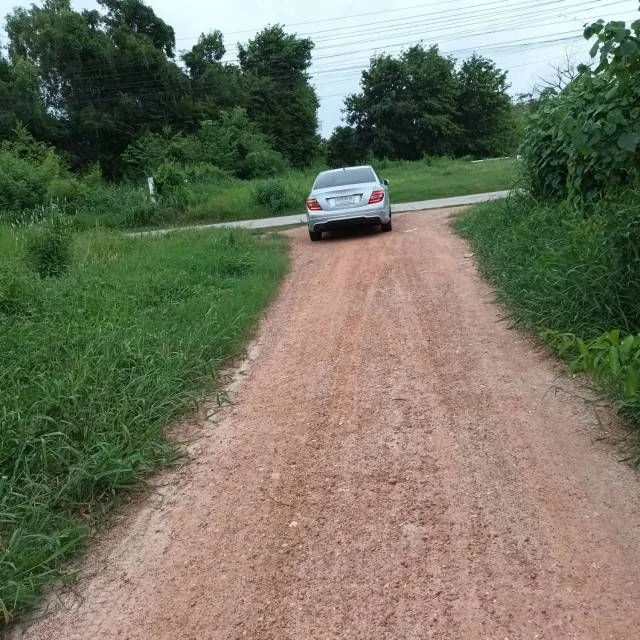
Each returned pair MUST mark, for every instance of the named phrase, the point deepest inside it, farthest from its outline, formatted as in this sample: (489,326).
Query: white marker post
(152,189)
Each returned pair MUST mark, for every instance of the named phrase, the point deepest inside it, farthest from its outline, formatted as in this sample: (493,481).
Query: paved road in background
(300,218)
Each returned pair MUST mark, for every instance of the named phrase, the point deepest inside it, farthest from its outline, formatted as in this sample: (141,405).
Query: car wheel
(386,226)
(315,235)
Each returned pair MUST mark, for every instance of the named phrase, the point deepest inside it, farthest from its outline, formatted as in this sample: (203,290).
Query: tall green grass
(93,366)
(558,268)
(573,276)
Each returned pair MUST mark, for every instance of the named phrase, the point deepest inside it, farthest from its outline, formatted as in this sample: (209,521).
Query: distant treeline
(107,87)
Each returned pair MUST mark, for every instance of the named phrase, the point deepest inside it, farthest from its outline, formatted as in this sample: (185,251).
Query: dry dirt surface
(396,464)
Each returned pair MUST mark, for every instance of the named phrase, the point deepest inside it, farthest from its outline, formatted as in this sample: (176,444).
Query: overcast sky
(525,37)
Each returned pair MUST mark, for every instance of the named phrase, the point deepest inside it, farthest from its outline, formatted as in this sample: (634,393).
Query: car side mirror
(385,182)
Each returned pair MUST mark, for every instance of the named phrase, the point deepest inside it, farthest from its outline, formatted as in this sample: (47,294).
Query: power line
(88,71)
(520,16)
(141,80)
(149,87)
(448,18)
(431,35)
(334,19)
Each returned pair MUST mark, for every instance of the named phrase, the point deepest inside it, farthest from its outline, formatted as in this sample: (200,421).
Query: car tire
(386,226)
(315,235)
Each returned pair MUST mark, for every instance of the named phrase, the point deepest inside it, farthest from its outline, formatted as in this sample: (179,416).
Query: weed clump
(48,248)
(273,195)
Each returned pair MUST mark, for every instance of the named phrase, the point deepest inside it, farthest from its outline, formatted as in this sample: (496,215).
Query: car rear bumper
(326,220)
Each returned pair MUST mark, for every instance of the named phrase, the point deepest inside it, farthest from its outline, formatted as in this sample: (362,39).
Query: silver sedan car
(349,196)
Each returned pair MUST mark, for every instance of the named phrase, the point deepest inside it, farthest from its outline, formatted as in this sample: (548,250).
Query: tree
(345,148)
(106,78)
(563,74)
(125,17)
(407,105)
(215,86)
(484,110)
(207,51)
(280,98)
(21,101)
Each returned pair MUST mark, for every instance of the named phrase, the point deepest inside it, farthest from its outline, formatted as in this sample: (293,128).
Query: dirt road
(395,465)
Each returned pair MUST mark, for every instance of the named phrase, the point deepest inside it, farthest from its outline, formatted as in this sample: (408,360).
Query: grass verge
(225,199)
(95,363)
(574,278)
(410,181)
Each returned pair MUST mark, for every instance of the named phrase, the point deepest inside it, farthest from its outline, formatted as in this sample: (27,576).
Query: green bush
(17,292)
(48,248)
(614,358)
(232,142)
(171,184)
(33,177)
(584,142)
(202,172)
(25,182)
(114,206)
(263,163)
(273,195)
(558,269)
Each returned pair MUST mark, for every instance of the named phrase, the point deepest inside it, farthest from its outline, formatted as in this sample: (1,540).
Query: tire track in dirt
(393,466)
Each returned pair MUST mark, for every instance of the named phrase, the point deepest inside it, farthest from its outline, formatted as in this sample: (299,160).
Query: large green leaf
(629,141)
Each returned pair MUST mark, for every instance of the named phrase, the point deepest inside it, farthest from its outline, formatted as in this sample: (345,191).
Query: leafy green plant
(48,248)
(171,184)
(30,175)
(273,195)
(584,142)
(614,358)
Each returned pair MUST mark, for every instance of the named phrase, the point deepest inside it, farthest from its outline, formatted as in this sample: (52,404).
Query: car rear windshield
(343,178)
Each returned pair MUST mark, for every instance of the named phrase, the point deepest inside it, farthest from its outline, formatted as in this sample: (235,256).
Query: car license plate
(345,199)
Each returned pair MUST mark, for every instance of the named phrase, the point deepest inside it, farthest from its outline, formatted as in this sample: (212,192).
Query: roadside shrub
(614,358)
(114,206)
(48,248)
(572,278)
(273,195)
(66,191)
(92,178)
(203,172)
(263,163)
(170,182)
(584,142)
(556,268)
(24,182)
(139,215)
(232,142)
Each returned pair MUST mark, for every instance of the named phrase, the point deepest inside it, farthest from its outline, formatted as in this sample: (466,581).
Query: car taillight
(313,205)
(376,196)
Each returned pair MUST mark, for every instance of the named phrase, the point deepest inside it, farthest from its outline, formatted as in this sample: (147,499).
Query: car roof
(360,166)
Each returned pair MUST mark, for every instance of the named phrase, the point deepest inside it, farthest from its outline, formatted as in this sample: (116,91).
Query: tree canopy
(100,86)
(419,103)
(93,82)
